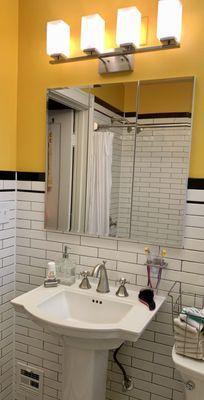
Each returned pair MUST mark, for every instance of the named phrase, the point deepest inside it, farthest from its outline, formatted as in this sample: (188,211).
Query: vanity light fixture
(92,34)
(169,21)
(128,27)
(58,40)
(127,37)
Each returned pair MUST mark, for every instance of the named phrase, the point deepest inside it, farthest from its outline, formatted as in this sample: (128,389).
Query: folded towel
(187,329)
(190,348)
(186,339)
(189,321)
(185,334)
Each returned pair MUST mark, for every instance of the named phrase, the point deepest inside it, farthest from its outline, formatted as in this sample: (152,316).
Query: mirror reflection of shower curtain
(99,183)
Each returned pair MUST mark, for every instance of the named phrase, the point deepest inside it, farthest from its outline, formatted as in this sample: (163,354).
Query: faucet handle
(122,291)
(85,284)
(123,281)
(85,273)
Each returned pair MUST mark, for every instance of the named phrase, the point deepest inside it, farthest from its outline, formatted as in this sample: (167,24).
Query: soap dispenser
(66,269)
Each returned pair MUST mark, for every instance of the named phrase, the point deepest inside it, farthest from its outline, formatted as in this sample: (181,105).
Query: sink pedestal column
(84,374)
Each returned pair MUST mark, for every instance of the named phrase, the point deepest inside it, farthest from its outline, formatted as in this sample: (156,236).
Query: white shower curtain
(99,183)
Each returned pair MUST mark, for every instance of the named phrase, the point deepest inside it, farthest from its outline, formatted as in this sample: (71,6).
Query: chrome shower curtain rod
(141,127)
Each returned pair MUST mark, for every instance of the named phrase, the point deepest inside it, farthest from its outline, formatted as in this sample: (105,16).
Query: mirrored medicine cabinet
(118,159)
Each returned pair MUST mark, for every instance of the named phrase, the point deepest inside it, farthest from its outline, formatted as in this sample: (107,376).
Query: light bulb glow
(128,26)
(169,21)
(92,33)
(58,38)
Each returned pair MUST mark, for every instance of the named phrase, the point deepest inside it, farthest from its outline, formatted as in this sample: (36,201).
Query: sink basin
(70,306)
(90,324)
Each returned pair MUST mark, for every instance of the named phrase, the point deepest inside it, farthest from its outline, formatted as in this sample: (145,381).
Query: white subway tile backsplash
(23,223)
(38,186)
(195,195)
(194,221)
(195,209)
(23,185)
(7,268)
(37,224)
(46,245)
(148,360)
(98,242)
(32,252)
(28,233)
(30,215)
(27,196)
(63,238)
(193,244)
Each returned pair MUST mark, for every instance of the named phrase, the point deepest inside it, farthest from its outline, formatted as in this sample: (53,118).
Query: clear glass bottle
(66,269)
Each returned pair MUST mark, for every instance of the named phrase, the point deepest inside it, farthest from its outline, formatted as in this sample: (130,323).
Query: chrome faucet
(101,272)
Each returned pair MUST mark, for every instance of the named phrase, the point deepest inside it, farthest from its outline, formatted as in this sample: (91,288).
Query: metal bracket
(122,54)
(118,63)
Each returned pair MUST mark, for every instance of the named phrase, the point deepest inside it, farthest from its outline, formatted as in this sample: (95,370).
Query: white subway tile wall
(147,361)
(126,182)
(161,173)
(7,277)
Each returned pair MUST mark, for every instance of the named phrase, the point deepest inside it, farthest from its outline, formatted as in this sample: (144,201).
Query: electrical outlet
(30,379)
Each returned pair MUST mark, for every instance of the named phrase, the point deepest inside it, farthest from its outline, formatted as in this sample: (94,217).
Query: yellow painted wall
(160,97)
(36,74)
(8,83)
(154,97)
(113,94)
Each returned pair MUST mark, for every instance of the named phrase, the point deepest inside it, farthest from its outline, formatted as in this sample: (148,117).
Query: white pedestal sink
(90,324)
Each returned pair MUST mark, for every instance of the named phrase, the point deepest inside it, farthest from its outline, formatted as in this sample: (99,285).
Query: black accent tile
(141,116)
(195,202)
(30,191)
(7,175)
(7,190)
(161,115)
(31,176)
(196,183)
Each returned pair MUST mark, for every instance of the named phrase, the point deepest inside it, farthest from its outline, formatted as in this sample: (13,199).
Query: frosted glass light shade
(169,21)
(128,26)
(92,33)
(58,38)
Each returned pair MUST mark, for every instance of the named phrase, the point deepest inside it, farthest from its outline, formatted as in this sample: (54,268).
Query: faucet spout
(101,272)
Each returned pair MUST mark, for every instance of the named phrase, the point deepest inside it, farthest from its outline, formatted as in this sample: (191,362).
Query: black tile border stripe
(7,190)
(30,191)
(141,116)
(196,183)
(31,176)
(161,115)
(193,183)
(195,202)
(7,175)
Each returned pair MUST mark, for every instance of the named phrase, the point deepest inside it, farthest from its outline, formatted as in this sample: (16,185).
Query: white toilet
(192,373)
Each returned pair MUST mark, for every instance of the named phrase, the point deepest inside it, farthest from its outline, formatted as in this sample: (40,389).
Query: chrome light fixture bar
(169,24)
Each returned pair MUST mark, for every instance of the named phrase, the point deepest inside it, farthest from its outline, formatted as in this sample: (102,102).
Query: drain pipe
(127,381)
